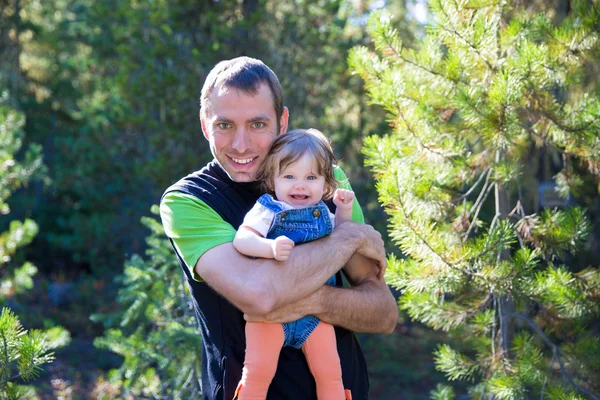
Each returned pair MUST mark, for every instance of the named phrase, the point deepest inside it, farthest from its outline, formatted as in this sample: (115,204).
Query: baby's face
(299,184)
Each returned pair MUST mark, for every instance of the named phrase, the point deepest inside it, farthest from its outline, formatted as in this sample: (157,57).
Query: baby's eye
(288,177)
(311,178)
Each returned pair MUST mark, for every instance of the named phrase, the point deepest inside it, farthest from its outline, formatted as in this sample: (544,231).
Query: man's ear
(283,121)
(204,130)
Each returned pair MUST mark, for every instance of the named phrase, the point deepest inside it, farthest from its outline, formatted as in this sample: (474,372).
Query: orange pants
(263,345)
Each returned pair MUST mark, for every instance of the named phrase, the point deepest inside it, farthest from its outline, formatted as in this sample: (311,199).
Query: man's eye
(223,125)
(258,125)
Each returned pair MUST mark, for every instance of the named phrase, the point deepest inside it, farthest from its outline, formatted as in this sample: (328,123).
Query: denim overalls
(301,225)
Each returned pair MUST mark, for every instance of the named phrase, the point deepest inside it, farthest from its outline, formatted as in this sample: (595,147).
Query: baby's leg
(263,345)
(320,350)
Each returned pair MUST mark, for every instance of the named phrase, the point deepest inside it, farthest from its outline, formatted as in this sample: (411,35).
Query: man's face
(240,129)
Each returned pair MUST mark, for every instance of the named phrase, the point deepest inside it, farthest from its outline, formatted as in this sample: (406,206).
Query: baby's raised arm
(343,200)
(251,243)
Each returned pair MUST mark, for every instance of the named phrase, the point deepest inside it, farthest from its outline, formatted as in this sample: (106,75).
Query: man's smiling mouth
(242,160)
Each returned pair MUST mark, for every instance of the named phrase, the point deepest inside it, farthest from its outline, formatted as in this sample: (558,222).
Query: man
(241,113)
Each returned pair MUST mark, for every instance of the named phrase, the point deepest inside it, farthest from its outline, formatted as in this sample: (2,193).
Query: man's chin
(237,176)
(241,177)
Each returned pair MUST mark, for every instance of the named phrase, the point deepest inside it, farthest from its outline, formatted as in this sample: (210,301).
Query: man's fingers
(382,268)
(374,249)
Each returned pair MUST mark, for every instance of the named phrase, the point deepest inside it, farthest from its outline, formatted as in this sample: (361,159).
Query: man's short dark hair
(245,74)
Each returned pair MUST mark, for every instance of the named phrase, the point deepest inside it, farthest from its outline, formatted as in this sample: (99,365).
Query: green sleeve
(340,176)
(193,226)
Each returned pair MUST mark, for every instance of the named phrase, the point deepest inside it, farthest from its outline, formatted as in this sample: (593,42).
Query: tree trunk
(505,303)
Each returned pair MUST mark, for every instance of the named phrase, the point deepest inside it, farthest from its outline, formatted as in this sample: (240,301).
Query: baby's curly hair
(289,148)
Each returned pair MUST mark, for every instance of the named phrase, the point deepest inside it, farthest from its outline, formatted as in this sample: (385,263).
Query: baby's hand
(343,198)
(282,247)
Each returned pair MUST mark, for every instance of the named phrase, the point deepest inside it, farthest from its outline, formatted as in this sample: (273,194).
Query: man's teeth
(242,160)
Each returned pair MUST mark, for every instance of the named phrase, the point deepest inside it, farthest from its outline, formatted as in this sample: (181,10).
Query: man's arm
(203,241)
(259,286)
(368,306)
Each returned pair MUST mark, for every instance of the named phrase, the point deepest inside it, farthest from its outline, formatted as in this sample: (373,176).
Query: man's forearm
(367,308)
(309,266)
(260,286)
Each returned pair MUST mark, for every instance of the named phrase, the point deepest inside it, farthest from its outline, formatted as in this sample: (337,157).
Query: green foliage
(154,330)
(442,392)
(111,88)
(22,352)
(490,84)
(455,365)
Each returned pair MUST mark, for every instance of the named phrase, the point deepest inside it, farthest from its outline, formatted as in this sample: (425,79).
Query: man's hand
(371,246)
(282,247)
(293,311)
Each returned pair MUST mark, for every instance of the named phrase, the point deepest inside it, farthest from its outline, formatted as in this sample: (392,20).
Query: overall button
(283,215)
(316,213)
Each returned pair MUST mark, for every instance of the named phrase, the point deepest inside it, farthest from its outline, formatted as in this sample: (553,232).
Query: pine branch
(468,193)
(6,356)
(555,119)
(432,72)
(555,351)
(12,378)
(546,377)
(494,327)
(425,242)
(416,232)
(479,203)
(417,138)
(457,34)
(480,6)
(467,101)
(499,17)
(572,49)
(493,247)
(391,48)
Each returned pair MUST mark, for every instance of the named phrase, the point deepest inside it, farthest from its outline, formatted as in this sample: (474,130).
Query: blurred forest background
(99,114)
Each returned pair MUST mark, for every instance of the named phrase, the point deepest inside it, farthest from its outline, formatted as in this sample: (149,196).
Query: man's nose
(240,140)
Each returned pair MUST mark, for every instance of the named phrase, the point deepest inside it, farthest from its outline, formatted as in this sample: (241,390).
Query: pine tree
(490,84)
(22,352)
(154,329)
